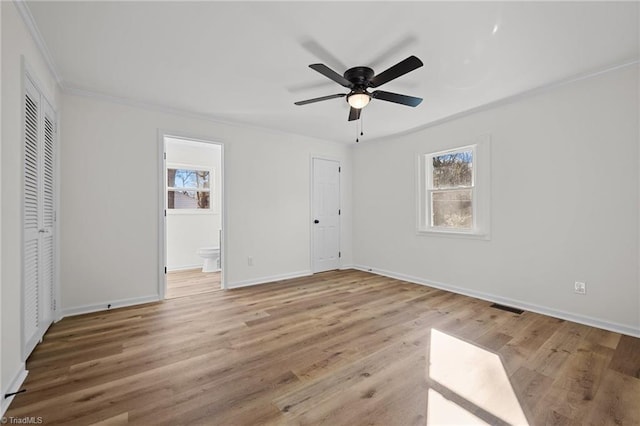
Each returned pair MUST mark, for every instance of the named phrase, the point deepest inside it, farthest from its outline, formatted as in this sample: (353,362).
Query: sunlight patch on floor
(472,379)
(444,412)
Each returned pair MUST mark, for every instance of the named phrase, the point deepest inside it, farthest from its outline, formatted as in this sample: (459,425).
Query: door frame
(313,157)
(162,205)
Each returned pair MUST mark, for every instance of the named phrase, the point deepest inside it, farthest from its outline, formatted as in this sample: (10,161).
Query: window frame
(480,191)
(195,167)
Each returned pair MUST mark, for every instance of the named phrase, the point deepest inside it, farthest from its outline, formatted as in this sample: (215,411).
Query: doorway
(326,212)
(192,216)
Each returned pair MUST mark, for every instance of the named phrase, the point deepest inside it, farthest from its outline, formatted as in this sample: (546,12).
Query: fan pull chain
(361,129)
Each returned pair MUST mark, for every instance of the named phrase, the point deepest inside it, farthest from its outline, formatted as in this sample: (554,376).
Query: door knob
(316,221)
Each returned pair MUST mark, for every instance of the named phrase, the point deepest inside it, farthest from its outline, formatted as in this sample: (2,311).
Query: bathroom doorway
(192,216)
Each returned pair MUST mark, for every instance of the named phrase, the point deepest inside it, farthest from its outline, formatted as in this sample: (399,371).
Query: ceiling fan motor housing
(359,76)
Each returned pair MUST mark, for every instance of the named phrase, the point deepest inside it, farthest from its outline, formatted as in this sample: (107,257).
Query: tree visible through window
(188,189)
(451,189)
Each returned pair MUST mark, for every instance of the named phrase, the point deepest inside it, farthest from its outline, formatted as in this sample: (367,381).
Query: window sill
(172,212)
(454,234)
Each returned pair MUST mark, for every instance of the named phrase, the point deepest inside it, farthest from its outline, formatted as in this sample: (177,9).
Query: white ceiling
(248,62)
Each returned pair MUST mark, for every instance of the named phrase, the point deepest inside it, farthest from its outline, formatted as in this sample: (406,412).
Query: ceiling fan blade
(329,73)
(396,97)
(399,69)
(354,113)
(323,98)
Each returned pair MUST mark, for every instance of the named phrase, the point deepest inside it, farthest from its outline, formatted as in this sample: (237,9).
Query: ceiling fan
(359,79)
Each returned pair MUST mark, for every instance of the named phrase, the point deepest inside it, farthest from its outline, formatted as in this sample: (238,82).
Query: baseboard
(345,267)
(86,309)
(14,386)
(184,268)
(581,319)
(265,280)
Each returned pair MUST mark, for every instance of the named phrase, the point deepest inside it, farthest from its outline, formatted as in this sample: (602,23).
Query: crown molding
(510,99)
(70,89)
(156,106)
(30,23)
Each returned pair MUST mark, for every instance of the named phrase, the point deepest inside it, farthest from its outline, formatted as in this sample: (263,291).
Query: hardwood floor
(190,282)
(338,348)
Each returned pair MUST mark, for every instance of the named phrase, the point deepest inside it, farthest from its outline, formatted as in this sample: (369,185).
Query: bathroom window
(188,189)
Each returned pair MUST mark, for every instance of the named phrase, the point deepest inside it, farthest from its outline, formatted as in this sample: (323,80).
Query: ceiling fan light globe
(359,100)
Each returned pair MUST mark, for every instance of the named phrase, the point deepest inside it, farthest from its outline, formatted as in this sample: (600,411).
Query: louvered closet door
(38,217)
(31,274)
(46,302)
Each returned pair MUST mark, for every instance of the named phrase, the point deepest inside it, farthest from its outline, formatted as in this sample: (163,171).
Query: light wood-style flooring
(337,348)
(190,282)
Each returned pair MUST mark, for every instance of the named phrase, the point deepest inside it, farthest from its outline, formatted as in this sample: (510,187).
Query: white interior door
(38,217)
(326,214)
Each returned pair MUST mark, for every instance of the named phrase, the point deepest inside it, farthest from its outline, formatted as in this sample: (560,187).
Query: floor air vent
(507,308)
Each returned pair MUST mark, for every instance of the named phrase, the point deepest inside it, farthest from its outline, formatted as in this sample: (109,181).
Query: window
(451,188)
(188,188)
(453,197)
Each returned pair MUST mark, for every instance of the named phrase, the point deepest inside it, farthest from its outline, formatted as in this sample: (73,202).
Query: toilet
(211,256)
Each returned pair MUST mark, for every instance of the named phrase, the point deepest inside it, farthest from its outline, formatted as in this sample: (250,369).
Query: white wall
(16,42)
(564,204)
(110,237)
(188,231)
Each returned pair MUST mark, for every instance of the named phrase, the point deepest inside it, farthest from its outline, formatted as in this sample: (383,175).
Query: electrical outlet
(250,261)
(580,288)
